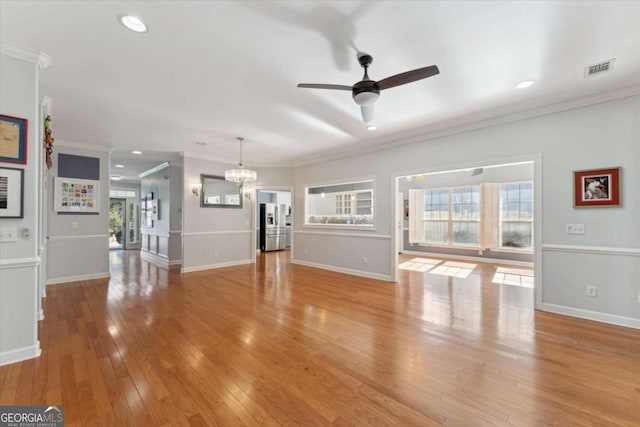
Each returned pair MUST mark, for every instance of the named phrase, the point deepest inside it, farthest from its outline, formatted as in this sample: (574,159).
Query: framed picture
(13,139)
(76,195)
(596,187)
(11,193)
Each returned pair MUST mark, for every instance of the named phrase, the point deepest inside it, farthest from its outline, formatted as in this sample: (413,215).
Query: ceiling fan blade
(323,86)
(408,77)
(367,113)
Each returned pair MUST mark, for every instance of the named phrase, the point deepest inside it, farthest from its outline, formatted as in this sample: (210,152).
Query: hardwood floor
(280,344)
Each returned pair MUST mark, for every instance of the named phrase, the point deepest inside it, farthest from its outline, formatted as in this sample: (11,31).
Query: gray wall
(89,240)
(162,242)
(594,136)
(19,260)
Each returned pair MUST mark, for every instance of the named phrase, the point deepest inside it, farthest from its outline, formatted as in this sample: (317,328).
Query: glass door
(117,223)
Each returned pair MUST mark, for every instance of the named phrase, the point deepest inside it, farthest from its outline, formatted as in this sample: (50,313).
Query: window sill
(435,245)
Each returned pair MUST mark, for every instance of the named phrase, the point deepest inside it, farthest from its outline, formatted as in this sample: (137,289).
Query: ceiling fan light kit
(365,93)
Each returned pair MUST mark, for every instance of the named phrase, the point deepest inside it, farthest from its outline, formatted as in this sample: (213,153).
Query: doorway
(117,223)
(486,213)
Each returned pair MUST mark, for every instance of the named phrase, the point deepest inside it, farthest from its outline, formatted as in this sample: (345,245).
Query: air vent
(602,67)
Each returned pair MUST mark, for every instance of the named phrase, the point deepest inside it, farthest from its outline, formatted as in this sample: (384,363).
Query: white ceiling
(211,71)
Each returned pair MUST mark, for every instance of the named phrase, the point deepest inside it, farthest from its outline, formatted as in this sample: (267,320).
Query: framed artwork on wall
(76,195)
(11,193)
(596,187)
(13,139)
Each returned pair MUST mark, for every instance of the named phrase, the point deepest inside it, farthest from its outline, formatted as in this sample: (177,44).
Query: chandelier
(240,175)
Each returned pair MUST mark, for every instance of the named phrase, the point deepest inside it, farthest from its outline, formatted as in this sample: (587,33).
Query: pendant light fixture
(240,175)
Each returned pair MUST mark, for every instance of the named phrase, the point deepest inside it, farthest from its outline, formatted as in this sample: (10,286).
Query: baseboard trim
(80,278)
(159,260)
(215,266)
(596,316)
(20,354)
(470,258)
(360,273)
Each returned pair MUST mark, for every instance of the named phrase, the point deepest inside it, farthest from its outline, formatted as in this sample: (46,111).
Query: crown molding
(474,122)
(155,169)
(82,146)
(233,163)
(41,59)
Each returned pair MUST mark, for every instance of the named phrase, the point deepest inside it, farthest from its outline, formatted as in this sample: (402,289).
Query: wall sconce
(247,190)
(196,190)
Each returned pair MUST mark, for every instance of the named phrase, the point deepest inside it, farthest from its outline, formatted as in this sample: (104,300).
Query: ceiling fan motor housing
(365,92)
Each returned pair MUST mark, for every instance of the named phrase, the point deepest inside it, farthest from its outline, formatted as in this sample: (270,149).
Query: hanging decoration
(48,141)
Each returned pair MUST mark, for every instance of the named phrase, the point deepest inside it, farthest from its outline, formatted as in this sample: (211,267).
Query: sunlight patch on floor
(419,264)
(454,269)
(513,276)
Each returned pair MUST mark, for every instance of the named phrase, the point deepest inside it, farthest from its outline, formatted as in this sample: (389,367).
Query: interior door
(399,222)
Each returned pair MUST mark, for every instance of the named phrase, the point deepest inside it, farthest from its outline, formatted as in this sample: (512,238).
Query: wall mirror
(217,192)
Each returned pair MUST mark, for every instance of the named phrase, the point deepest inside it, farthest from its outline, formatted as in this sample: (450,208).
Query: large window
(516,215)
(452,216)
(486,216)
(343,205)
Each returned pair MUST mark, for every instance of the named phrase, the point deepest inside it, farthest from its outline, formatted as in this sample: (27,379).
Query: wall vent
(599,68)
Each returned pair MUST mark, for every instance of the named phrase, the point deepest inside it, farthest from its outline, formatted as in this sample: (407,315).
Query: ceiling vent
(602,67)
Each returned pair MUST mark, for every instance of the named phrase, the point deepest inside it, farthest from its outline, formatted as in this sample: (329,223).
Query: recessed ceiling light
(371,127)
(116,178)
(525,84)
(133,23)
(136,152)
(119,166)
(200,143)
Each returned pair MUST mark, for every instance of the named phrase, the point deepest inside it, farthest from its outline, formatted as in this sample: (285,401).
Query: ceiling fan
(366,91)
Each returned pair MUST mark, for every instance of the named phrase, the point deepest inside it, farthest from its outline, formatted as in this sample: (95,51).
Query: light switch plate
(8,235)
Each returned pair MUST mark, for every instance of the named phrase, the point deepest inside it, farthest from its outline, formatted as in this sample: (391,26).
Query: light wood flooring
(278,344)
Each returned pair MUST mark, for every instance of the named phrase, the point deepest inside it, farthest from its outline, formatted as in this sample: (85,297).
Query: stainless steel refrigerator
(272,227)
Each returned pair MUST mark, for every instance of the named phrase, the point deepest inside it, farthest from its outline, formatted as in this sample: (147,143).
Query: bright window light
(514,277)
(419,264)
(454,269)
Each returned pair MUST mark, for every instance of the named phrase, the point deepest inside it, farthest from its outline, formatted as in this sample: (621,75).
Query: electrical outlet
(592,291)
(216,253)
(365,260)
(8,235)
(306,251)
(575,229)
(638,297)
(74,225)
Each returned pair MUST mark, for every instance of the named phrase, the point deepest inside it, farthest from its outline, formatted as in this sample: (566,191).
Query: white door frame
(254,213)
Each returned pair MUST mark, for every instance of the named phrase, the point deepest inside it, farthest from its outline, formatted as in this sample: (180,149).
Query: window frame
(450,221)
(500,247)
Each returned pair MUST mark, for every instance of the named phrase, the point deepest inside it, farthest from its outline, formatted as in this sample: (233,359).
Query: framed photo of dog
(596,187)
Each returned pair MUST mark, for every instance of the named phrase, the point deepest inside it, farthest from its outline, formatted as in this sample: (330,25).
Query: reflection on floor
(514,277)
(503,275)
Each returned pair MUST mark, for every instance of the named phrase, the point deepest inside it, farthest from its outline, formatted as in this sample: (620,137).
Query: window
(516,215)
(452,216)
(344,205)
(487,216)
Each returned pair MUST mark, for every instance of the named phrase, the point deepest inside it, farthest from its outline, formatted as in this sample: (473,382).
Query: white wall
(595,136)
(89,240)
(19,260)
